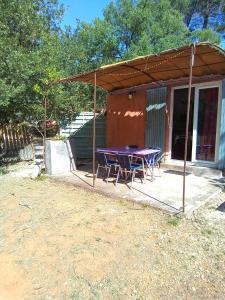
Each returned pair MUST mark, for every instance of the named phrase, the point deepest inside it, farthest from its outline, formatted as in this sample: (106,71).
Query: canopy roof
(170,64)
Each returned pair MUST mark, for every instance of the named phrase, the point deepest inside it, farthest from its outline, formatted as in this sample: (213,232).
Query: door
(206,124)
(203,123)
(179,124)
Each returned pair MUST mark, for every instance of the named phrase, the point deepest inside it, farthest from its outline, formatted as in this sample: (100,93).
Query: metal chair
(153,160)
(105,163)
(128,167)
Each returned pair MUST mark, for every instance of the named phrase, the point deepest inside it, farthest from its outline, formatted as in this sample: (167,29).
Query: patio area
(165,192)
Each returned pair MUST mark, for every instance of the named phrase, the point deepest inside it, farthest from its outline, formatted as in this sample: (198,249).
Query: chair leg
(145,175)
(143,170)
(132,178)
(108,173)
(159,169)
(146,170)
(97,171)
(118,174)
(149,170)
(126,174)
(153,173)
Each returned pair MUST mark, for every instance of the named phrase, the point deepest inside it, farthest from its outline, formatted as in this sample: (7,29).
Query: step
(39,152)
(201,171)
(39,160)
(38,147)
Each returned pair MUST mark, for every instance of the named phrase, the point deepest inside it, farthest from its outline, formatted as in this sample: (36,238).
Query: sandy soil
(60,242)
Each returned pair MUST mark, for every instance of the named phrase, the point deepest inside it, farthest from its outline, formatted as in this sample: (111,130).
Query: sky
(84,10)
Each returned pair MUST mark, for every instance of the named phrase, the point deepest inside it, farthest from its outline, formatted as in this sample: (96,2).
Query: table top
(129,151)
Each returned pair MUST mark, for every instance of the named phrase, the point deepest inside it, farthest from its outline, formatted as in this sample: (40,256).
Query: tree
(204,19)
(144,27)
(27,28)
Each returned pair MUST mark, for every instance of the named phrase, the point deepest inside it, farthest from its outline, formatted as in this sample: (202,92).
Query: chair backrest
(100,158)
(157,156)
(123,161)
(153,158)
(110,157)
(150,158)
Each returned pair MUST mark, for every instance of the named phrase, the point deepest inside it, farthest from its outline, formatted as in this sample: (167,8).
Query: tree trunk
(206,21)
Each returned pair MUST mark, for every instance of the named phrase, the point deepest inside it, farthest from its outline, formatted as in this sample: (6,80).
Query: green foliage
(175,221)
(205,19)
(59,137)
(3,170)
(206,35)
(144,27)
(35,52)
(208,231)
(27,29)
(41,178)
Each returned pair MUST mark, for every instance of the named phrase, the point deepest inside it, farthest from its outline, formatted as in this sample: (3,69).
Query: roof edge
(105,67)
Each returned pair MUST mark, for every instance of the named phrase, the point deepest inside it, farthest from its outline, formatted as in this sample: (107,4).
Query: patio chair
(106,163)
(128,167)
(157,157)
(153,160)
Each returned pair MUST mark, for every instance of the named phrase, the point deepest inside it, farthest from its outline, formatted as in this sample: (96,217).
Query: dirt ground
(61,242)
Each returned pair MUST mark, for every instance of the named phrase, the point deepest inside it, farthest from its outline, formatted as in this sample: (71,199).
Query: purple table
(143,152)
(128,151)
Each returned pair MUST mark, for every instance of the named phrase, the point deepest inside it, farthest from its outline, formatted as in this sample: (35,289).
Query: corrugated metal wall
(80,133)
(156,118)
(221,161)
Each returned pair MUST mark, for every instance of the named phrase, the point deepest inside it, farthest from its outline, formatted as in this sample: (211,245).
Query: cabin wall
(126,119)
(126,122)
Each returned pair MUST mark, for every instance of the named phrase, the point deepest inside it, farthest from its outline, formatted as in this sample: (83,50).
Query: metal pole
(187,121)
(45,129)
(94,130)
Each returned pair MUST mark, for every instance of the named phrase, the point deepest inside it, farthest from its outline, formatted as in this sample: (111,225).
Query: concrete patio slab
(165,192)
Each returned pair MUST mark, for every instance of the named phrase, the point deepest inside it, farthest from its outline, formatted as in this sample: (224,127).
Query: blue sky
(85,10)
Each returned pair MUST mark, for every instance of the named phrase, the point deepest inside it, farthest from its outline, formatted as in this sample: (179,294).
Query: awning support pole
(45,130)
(94,130)
(187,122)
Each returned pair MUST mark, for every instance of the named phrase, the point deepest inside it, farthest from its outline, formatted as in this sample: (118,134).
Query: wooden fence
(13,138)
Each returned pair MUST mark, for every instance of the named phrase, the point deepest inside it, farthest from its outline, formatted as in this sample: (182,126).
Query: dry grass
(60,242)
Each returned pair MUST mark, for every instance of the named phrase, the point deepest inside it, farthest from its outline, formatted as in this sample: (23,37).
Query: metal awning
(170,64)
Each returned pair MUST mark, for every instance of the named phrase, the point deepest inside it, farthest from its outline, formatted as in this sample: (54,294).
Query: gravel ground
(61,242)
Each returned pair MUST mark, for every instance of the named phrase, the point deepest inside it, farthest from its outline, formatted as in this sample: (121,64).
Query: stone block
(59,157)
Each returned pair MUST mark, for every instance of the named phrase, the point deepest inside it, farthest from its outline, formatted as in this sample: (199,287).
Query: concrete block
(59,157)
(27,171)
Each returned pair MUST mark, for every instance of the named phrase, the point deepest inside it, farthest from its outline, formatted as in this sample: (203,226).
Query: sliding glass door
(206,124)
(203,121)
(179,124)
